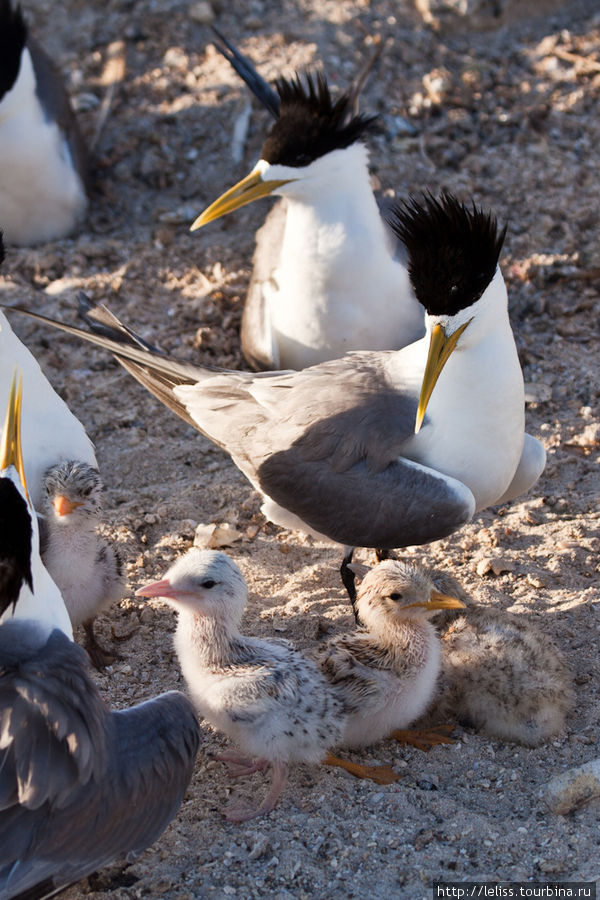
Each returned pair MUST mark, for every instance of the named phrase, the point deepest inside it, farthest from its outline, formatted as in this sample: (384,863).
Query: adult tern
(327,278)
(379,449)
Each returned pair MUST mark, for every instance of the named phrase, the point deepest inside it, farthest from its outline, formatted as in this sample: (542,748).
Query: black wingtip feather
(311,124)
(261,89)
(13,35)
(453,250)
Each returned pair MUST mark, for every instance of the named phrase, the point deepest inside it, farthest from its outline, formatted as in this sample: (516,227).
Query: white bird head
(395,592)
(310,126)
(206,582)
(453,252)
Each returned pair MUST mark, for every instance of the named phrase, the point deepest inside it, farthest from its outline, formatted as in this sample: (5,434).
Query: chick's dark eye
(395,596)
(208,583)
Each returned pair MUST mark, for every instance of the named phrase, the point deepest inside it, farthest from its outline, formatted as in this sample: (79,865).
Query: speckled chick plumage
(501,674)
(385,675)
(85,567)
(275,704)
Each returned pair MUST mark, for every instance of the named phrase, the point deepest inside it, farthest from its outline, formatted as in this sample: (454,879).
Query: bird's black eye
(303,159)
(208,583)
(87,491)
(395,596)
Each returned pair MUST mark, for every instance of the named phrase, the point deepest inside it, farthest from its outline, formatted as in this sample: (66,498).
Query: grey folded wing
(346,667)
(325,443)
(79,785)
(258,345)
(57,107)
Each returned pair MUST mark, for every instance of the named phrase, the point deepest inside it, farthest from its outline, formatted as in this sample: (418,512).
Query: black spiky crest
(310,124)
(13,34)
(453,250)
(15,544)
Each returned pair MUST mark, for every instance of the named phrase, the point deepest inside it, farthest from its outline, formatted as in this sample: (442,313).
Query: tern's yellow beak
(439,601)
(10,444)
(440,348)
(250,188)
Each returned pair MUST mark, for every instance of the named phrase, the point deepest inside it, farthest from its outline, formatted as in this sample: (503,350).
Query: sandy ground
(508,115)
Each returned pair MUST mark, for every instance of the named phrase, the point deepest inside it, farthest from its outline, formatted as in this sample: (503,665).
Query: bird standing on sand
(327,278)
(379,449)
(87,570)
(43,158)
(80,785)
(385,676)
(269,699)
(500,674)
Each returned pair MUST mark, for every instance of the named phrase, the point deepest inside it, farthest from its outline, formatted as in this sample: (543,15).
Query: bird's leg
(378,774)
(241,765)
(124,637)
(243,813)
(424,739)
(382,553)
(348,581)
(99,657)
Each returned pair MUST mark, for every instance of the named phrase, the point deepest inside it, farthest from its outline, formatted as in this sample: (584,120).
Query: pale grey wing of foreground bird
(328,459)
(80,785)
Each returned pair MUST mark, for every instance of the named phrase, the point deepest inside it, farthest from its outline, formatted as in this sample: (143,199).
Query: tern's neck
(407,638)
(335,194)
(334,257)
(211,640)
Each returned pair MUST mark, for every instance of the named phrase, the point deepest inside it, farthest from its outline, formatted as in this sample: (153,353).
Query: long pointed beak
(440,348)
(439,601)
(63,506)
(250,188)
(156,589)
(10,446)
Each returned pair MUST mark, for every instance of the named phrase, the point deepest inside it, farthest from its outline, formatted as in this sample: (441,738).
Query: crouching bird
(386,674)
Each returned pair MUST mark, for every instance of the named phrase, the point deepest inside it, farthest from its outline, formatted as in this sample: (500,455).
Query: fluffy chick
(500,674)
(386,675)
(85,567)
(270,700)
